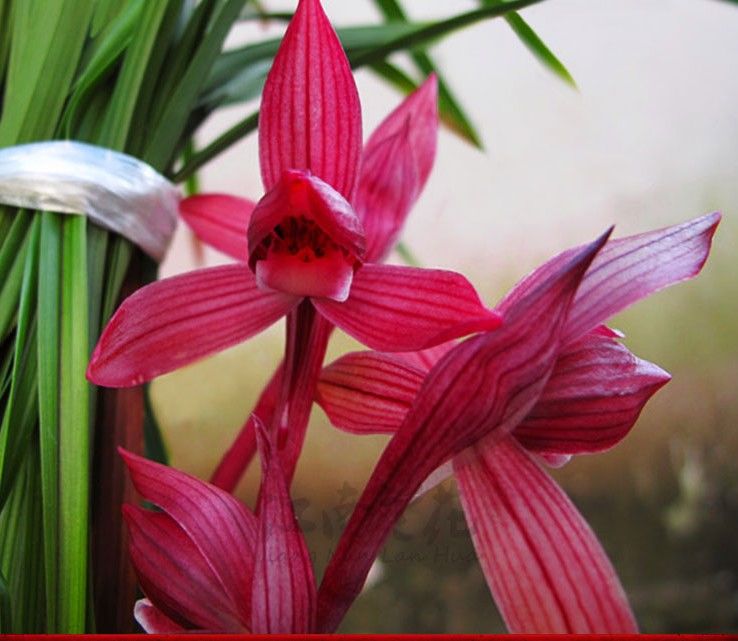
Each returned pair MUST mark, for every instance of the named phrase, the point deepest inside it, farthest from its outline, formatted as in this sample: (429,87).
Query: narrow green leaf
(6,620)
(49,314)
(454,116)
(535,45)
(12,261)
(74,429)
(47,41)
(124,99)
(174,118)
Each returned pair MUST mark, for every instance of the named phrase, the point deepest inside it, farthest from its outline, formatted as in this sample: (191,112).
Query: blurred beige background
(649,139)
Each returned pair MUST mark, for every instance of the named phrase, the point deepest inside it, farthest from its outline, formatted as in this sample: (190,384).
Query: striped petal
(179,320)
(176,577)
(627,270)
(395,309)
(481,388)
(592,400)
(310,113)
(283,596)
(219,220)
(544,565)
(368,392)
(221,528)
(395,166)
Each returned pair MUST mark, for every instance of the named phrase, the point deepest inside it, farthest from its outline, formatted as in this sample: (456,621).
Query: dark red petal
(299,193)
(593,398)
(154,621)
(627,270)
(397,309)
(219,220)
(179,320)
(395,166)
(175,575)
(310,112)
(221,527)
(368,392)
(544,565)
(239,454)
(481,388)
(283,596)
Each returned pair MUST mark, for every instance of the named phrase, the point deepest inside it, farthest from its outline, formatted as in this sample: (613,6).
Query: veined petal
(368,392)
(482,388)
(154,621)
(593,398)
(419,114)
(627,270)
(178,320)
(395,166)
(175,575)
(310,112)
(239,454)
(396,309)
(544,565)
(222,528)
(219,220)
(283,594)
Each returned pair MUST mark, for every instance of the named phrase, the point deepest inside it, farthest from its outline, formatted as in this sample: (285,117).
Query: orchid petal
(310,112)
(593,398)
(219,220)
(283,596)
(368,392)
(222,528)
(627,270)
(393,308)
(153,620)
(395,166)
(175,575)
(239,454)
(419,114)
(544,565)
(482,388)
(178,320)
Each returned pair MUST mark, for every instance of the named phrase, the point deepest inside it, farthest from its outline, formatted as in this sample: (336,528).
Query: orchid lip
(305,239)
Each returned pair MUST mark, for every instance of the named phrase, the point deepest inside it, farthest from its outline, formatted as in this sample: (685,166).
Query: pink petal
(222,528)
(239,455)
(395,166)
(310,112)
(175,575)
(593,398)
(627,270)
(393,308)
(178,320)
(544,565)
(481,388)
(419,114)
(283,597)
(368,392)
(154,621)
(219,220)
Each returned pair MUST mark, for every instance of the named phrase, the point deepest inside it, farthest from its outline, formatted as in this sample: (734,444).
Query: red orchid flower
(396,163)
(206,563)
(551,383)
(307,248)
